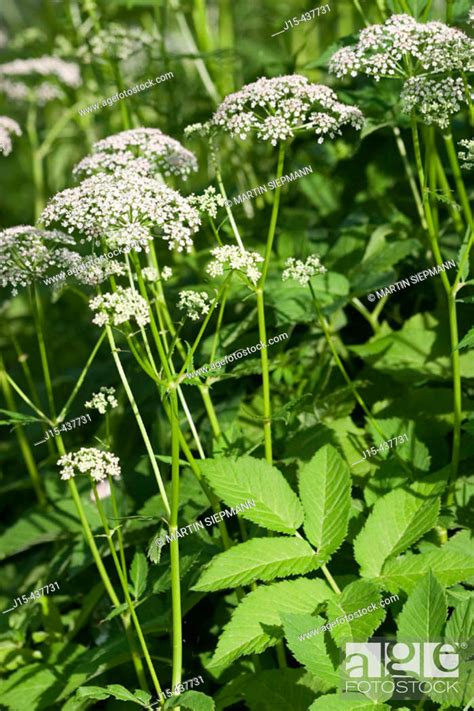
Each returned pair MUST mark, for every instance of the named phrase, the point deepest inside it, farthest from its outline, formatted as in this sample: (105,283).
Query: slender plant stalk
(174,545)
(457,175)
(452,313)
(36,161)
(124,584)
(38,318)
(141,426)
(119,529)
(23,442)
(81,378)
(409,173)
(262,332)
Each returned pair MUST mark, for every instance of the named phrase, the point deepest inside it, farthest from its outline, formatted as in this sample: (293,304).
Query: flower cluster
(277,108)
(433,100)
(208,202)
(94,271)
(90,461)
(119,42)
(28,253)
(303,271)
(8,128)
(195,303)
(147,150)
(235,258)
(103,400)
(382,50)
(166,273)
(125,210)
(118,307)
(150,274)
(467,156)
(40,78)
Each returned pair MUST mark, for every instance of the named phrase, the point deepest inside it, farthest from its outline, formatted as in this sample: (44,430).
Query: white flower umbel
(92,272)
(208,202)
(230,257)
(40,79)
(28,253)
(166,273)
(150,274)
(195,303)
(467,156)
(434,101)
(118,307)
(302,271)
(127,212)
(90,461)
(278,108)
(147,150)
(119,41)
(470,18)
(388,50)
(102,401)
(8,128)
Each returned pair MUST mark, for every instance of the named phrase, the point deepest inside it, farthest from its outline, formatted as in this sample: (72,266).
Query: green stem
(174,545)
(38,317)
(369,316)
(449,11)
(331,580)
(119,530)
(82,376)
(23,442)
(458,180)
(267,406)
(141,426)
(262,332)
(452,314)
(443,181)
(409,173)
(126,593)
(36,161)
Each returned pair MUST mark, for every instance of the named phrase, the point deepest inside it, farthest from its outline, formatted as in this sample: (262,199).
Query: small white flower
(8,128)
(28,254)
(148,151)
(208,202)
(39,78)
(195,303)
(467,156)
(103,400)
(166,273)
(126,211)
(234,258)
(386,50)
(150,274)
(278,108)
(302,271)
(90,461)
(433,100)
(118,42)
(119,307)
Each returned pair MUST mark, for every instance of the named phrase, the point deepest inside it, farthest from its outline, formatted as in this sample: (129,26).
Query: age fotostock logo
(403,670)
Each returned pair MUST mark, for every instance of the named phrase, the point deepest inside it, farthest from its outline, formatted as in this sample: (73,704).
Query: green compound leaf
(258,559)
(397,521)
(460,627)
(325,491)
(236,480)
(192,700)
(424,613)
(468,340)
(311,652)
(139,574)
(255,622)
(354,598)
(346,702)
(452,563)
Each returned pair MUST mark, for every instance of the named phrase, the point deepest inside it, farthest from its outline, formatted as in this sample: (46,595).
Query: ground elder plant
(236,376)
